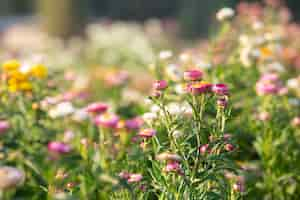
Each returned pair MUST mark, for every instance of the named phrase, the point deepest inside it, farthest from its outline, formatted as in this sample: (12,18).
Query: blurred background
(68,17)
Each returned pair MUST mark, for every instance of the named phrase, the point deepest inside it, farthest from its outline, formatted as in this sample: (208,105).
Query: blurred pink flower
(58,147)
(192,75)
(4,126)
(220,89)
(134,124)
(97,108)
(107,120)
(147,133)
(134,178)
(160,85)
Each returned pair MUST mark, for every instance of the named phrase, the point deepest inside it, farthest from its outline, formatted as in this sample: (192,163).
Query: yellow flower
(13,87)
(265,52)
(25,86)
(11,65)
(39,71)
(17,75)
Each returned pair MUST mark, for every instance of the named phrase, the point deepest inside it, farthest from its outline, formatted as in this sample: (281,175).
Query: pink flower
(4,126)
(68,136)
(296,122)
(229,147)
(58,147)
(116,78)
(134,124)
(134,178)
(227,136)
(199,88)
(107,120)
(222,102)
(264,116)
(238,187)
(168,157)
(220,89)
(147,133)
(204,149)
(97,108)
(160,85)
(192,75)
(268,84)
(172,166)
(124,175)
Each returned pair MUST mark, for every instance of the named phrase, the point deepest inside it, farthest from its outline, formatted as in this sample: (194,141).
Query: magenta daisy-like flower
(97,108)
(58,147)
(192,75)
(107,120)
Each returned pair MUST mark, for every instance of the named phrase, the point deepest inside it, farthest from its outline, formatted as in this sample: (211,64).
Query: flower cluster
(18,77)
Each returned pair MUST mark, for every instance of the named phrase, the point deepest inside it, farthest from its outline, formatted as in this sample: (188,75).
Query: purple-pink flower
(160,85)
(58,147)
(97,108)
(147,133)
(199,88)
(4,126)
(172,166)
(192,75)
(220,89)
(134,178)
(268,84)
(107,120)
(134,124)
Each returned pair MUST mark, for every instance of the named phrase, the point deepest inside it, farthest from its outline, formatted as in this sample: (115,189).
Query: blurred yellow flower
(11,65)
(39,71)
(266,52)
(25,86)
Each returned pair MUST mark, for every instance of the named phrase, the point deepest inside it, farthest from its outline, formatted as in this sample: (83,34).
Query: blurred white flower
(10,177)
(165,54)
(62,109)
(155,109)
(173,72)
(177,134)
(180,89)
(225,13)
(149,117)
(293,83)
(80,115)
(257,25)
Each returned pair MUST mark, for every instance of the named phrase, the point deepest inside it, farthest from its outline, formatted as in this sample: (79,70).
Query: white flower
(177,133)
(203,65)
(174,108)
(80,115)
(257,25)
(225,13)
(293,83)
(165,54)
(245,56)
(276,66)
(10,177)
(185,57)
(155,109)
(244,40)
(149,117)
(61,110)
(173,72)
(180,89)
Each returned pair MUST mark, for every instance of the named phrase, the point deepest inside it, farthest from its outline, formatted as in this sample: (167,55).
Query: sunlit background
(68,17)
